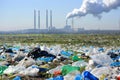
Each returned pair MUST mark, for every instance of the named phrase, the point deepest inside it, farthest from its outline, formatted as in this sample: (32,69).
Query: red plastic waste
(56,73)
(118,77)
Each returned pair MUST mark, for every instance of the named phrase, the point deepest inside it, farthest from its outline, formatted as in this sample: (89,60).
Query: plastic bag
(55,69)
(17,78)
(102,59)
(79,63)
(2,69)
(14,69)
(88,76)
(58,78)
(76,58)
(26,62)
(30,71)
(71,75)
(78,77)
(100,71)
(68,68)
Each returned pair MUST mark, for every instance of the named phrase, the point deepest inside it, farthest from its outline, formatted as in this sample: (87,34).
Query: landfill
(56,62)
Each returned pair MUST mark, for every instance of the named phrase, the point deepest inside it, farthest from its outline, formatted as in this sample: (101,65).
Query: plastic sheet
(78,77)
(76,58)
(55,69)
(58,78)
(46,59)
(98,72)
(101,59)
(26,62)
(88,76)
(71,75)
(67,69)
(30,71)
(65,53)
(2,69)
(115,64)
(14,69)
(17,78)
(79,63)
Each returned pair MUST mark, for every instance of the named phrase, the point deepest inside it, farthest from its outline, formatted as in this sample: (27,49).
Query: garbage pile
(18,62)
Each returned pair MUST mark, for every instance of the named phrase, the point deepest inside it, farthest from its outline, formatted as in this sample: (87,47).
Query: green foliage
(82,39)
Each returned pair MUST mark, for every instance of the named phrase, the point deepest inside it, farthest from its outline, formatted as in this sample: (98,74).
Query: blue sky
(18,14)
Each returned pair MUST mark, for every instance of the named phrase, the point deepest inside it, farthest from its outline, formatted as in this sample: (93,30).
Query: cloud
(94,7)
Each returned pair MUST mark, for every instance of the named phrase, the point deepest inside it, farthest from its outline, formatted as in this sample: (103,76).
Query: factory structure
(49,27)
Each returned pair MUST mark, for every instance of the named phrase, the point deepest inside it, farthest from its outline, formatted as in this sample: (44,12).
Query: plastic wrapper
(55,69)
(26,62)
(79,63)
(101,59)
(17,78)
(89,76)
(98,72)
(14,69)
(71,75)
(68,68)
(30,71)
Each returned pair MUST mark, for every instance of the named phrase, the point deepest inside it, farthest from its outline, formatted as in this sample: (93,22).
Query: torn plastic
(71,75)
(101,59)
(81,63)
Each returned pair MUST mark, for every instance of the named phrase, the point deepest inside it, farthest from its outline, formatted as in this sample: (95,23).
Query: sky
(19,15)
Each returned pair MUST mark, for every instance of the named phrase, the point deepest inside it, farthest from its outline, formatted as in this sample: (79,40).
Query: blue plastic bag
(116,64)
(58,78)
(78,77)
(17,78)
(88,76)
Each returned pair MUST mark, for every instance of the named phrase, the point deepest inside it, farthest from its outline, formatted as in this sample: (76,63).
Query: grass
(82,39)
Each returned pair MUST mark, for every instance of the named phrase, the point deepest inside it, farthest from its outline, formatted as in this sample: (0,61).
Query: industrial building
(49,24)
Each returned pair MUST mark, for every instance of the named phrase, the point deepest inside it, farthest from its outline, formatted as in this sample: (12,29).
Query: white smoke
(94,7)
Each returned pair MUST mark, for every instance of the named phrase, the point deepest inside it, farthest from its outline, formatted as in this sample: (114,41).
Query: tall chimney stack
(50,18)
(38,19)
(34,19)
(46,19)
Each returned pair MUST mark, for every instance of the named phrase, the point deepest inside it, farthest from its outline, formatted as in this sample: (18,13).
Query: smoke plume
(94,7)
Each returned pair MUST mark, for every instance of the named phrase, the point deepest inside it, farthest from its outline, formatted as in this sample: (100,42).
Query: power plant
(47,27)
(49,23)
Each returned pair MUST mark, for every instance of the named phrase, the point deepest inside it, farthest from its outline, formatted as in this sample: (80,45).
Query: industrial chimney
(46,19)
(34,19)
(50,19)
(38,19)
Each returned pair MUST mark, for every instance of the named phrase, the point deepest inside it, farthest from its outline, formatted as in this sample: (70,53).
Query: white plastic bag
(30,71)
(98,72)
(71,75)
(14,69)
(55,69)
(79,63)
(26,62)
(102,59)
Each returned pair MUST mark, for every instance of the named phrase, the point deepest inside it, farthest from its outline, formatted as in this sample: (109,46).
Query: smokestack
(34,19)
(46,19)
(38,19)
(50,18)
